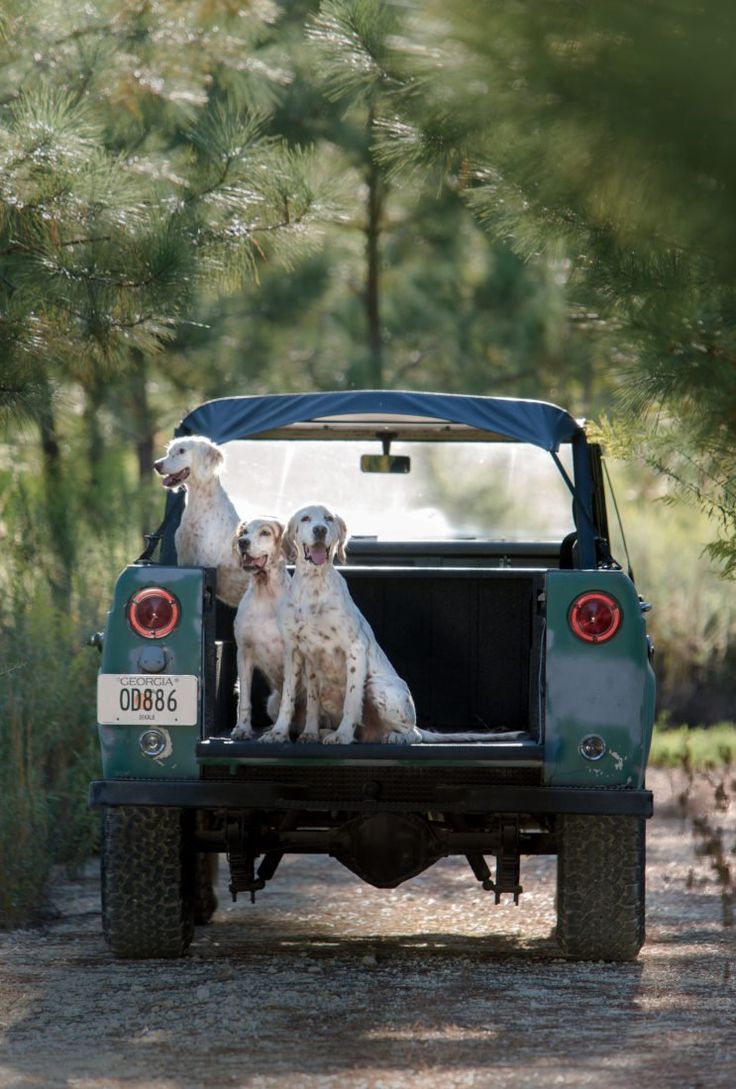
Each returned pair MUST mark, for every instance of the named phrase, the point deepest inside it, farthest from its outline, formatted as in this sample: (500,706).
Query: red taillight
(153,612)
(595,617)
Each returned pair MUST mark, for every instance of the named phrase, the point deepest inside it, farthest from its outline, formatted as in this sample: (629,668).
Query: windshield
(496,491)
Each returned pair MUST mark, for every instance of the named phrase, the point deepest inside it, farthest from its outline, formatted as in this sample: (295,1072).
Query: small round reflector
(152,743)
(592,747)
(153,612)
(595,617)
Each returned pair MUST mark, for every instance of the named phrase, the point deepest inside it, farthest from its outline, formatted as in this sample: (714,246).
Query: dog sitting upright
(258,545)
(350,682)
(205,532)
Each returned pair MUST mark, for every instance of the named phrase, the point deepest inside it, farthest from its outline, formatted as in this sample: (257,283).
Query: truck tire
(146,911)
(600,887)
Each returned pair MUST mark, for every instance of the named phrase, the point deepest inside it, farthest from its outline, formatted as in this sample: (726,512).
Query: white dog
(260,646)
(205,533)
(349,680)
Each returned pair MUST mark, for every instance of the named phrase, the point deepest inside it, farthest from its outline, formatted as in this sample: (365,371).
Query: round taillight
(595,617)
(153,612)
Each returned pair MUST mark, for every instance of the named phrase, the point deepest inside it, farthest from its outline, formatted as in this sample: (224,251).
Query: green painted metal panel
(124,652)
(605,689)
(122,648)
(122,759)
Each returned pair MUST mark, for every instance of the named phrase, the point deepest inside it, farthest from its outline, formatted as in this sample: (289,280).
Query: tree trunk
(145,434)
(373,233)
(59,516)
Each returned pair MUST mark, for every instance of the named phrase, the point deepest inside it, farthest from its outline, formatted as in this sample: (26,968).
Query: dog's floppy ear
(213,455)
(278,531)
(236,537)
(288,540)
(343,529)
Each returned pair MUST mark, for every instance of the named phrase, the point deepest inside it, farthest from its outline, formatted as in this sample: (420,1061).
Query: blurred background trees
(207,197)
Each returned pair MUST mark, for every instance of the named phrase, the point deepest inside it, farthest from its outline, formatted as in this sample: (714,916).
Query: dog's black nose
(319,532)
(158,465)
(244,544)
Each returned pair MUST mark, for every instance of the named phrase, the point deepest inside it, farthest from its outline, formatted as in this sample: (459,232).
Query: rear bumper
(272,794)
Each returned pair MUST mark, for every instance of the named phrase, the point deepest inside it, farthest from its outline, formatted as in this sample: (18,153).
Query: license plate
(132,699)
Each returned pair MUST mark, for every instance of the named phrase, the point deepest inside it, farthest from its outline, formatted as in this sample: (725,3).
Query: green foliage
(353,39)
(696,749)
(603,134)
(127,185)
(48,752)
(692,622)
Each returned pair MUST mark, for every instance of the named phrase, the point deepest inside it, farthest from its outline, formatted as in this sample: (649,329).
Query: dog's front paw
(340,736)
(274,735)
(242,732)
(309,734)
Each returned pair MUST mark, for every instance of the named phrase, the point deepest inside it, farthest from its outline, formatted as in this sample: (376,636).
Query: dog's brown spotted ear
(278,531)
(288,540)
(240,530)
(342,538)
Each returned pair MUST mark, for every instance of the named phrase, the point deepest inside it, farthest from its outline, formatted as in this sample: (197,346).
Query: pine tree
(135,172)
(407,290)
(604,133)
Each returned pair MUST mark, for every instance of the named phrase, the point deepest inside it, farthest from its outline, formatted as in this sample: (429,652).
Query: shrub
(48,750)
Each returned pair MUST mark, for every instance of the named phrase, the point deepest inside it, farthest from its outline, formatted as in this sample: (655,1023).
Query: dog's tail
(435,737)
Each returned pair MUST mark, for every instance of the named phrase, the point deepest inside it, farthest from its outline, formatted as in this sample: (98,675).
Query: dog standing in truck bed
(205,533)
(350,682)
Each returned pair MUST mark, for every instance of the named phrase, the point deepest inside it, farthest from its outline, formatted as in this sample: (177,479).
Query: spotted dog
(351,685)
(328,642)
(256,627)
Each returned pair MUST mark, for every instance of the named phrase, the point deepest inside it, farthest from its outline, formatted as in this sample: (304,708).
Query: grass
(699,748)
(706,756)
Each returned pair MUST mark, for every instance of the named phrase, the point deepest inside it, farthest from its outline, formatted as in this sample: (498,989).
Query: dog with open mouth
(350,683)
(352,689)
(256,627)
(204,535)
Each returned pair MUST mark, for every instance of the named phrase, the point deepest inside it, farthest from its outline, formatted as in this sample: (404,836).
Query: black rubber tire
(147,910)
(600,887)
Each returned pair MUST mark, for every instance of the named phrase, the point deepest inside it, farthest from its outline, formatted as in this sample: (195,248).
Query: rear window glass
(490,491)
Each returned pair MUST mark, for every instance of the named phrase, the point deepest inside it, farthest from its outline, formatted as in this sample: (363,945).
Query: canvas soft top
(536,422)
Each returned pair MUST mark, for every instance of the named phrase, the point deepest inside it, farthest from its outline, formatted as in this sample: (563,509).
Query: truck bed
(467,640)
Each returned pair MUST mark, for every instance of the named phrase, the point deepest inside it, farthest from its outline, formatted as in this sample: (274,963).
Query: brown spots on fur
(352,669)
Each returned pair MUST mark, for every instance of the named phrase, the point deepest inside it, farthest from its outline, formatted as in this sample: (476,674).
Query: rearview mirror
(384,463)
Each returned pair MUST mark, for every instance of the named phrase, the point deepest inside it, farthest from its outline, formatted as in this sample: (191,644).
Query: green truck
(480,554)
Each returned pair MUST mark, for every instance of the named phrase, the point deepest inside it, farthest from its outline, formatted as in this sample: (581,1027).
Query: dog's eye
(265,533)
(306,518)
(180,450)
(329,518)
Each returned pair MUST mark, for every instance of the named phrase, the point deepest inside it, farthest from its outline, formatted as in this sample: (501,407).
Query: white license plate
(133,699)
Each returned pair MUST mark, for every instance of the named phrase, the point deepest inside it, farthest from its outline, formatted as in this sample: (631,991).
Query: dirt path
(327,983)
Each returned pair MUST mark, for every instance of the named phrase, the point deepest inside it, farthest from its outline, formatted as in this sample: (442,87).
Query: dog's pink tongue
(318,554)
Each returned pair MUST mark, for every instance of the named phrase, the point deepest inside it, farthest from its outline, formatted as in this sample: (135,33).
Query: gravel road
(328,983)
